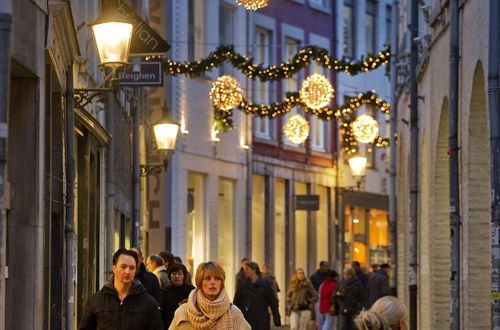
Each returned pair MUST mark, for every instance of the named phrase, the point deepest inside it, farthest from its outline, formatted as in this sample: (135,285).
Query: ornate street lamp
(112,35)
(357,164)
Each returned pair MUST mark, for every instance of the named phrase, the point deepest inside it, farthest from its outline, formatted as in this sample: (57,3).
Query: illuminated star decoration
(253,4)
(296,129)
(316,91)
(226,93)
(365,129)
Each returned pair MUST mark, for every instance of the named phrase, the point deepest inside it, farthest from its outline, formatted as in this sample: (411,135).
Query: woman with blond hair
(388,313)
(300,298)
(208,306)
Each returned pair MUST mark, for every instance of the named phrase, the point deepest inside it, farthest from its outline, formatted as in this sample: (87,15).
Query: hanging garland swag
(277,72)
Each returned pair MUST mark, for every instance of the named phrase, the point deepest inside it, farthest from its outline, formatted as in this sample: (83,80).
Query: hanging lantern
(365,129)
(226,93)
(253,4)
(316,91)
(296,129)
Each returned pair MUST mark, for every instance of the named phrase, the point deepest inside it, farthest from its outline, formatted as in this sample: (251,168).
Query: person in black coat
(122,303)
(149,280)
(255,296)
(175,293)
(348,299)
(378,284)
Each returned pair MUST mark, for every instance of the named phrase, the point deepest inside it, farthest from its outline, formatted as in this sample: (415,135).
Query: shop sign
(307,202)
(142,74)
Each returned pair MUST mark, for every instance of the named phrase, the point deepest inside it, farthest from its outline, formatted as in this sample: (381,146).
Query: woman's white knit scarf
(205,314)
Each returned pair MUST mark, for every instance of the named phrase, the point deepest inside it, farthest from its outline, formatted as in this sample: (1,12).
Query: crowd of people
(159,294)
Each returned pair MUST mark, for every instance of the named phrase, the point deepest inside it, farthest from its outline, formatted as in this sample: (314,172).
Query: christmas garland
(345,114)
(277,72)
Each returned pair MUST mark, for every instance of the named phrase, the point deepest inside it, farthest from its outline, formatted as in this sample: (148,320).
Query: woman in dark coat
(348,296)
(175,293)
(255,296)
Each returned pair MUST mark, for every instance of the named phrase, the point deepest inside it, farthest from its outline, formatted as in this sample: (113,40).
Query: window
(291,84)
(195,29)
(370,26)
(226,34)
(301,232)
(388,24)
(263,54)
(225,227)
(319,131)
(195,229)
(258,218)
(348,29)
(319,3)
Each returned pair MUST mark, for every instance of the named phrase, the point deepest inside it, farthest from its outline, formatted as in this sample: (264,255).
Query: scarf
(204,314)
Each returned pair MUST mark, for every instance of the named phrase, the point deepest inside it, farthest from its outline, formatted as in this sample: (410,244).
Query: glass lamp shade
(358,166)
(113,42)
(166,135)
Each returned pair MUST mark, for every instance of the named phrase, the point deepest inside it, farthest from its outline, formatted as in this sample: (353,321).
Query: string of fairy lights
(281,71)
(314,96)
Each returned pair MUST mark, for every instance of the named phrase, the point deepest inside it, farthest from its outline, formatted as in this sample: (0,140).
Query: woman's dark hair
(255,266)
(177,268)
(332,273)
(126,252)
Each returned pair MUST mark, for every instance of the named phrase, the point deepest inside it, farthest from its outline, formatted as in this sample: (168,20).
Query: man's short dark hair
(356,263)
(156,259)
(177,268)
(255,266)
(126,252)
(385,266)
(244,259)
(167,257)
(323,263)
(177,260)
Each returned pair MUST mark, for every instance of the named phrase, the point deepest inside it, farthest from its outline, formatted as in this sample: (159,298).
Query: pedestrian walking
(123,303)
(178,260)
(154,264)
(363,279)
(148,279)
(267,275)
(319,276)
(348,299)
(240,276)
(386,313)
(326,317)
(300,299)
(255,296)
(168,258)
(208,306)
(175,293)
(378,284)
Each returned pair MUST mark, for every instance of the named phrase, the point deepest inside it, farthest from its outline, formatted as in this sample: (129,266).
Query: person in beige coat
(208,306)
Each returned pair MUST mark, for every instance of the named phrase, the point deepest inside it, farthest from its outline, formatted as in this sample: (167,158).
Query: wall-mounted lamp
(112,35)
(357,164)
(166,137)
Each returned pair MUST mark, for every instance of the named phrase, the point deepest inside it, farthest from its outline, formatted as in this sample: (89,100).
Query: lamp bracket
(85,96)
(147,169)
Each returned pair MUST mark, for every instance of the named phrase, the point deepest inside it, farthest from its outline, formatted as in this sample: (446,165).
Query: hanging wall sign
(145,40)
(142,74)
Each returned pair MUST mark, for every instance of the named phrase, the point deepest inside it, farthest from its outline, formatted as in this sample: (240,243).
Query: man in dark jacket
(240,276)
(149,280)
(254,297)
(378,284)
(320,275)
(122,303)
(363,279)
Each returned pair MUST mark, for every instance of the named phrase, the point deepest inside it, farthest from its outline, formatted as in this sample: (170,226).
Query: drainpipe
(5,37)
(414,157)
(69,223)
(455,222)
(392,139)
(110,109)
(136,169)
(249,153)
(494,112)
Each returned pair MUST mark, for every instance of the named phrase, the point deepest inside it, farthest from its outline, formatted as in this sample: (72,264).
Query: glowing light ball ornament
(226,93)
(253,4)
(365,129)
(296,129)
(316,91)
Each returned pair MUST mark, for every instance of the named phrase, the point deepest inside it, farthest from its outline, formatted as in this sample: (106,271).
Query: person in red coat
(326,318)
